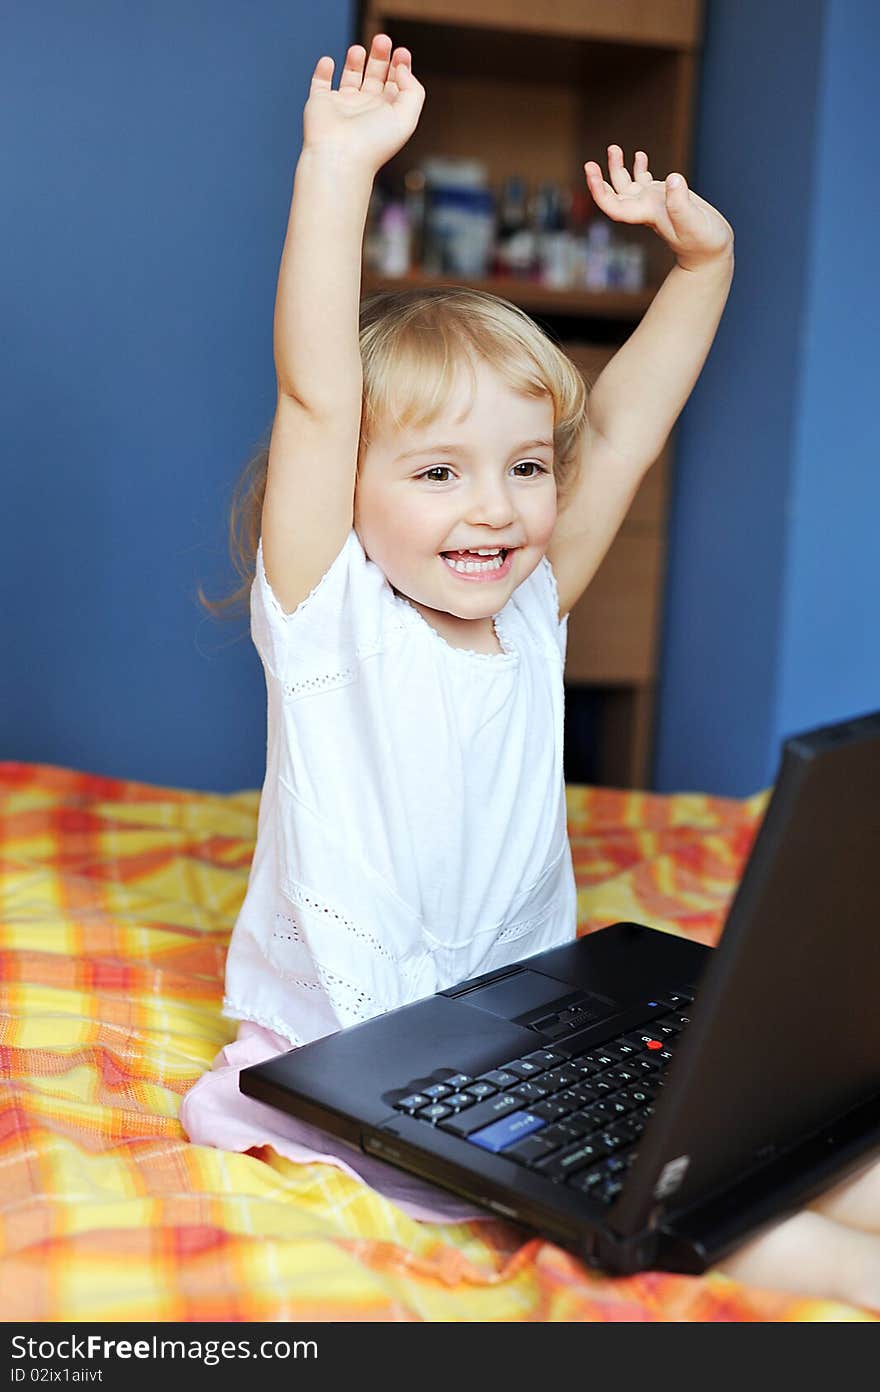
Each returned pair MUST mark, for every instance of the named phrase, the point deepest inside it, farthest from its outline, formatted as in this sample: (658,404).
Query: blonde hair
(413,344)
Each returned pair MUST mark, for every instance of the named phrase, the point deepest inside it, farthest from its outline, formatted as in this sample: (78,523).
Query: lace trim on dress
(513,930)
(231,1011)
(525,925)
(554,588)
(326,681)
(307,901)
(342,994)
(509,655)
(276,603)
(289,930)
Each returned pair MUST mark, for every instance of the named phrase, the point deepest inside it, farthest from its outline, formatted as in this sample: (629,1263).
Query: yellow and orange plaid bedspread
(116,902)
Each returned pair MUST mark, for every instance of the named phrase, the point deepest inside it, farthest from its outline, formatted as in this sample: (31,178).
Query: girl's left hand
(694,230)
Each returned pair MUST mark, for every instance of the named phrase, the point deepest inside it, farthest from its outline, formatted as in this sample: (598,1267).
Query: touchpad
(517,994)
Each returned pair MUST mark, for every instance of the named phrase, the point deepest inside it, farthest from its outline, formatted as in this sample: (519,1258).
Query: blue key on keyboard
(506,1130)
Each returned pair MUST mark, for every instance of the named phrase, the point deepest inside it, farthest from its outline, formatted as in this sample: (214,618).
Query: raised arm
(641,392)
(348,135)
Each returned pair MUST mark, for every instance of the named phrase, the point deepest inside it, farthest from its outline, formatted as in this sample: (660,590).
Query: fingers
(641,172)
(596,184)
(353,69)
(678,200)
(617,171)
(619,174)
(376,71)
(322,77)
(398,68)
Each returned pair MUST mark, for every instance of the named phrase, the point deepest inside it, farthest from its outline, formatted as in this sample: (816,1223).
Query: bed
(118,899)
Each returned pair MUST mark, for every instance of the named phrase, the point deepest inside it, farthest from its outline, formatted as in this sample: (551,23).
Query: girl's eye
(445,469)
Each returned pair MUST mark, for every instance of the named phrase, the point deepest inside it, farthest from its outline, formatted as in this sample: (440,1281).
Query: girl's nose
(491,504)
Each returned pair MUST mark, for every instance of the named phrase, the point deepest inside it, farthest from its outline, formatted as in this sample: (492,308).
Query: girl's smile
(478,569)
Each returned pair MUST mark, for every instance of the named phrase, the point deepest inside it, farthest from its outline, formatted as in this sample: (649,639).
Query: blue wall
(146,167)
(773,584)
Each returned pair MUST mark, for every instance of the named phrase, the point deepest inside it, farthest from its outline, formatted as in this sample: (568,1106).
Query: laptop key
(532,1149)
(459,1100)
(623,1075)
(648,1065)
(553,1109)
(435,1111)
(608,1054)
(612,1139)
(586,1066)
(545,1057)
(530,1092)
(459,1081)
(581,1094)
(474,1118)
(602,1085)
(412,1103)
(524,1068)
(613,1108)
(592,1117)
(559,1133)
(561,1077)
(640,1094)
(503,1132)
(579,1125)
(573,1158)
(437,1090)
(481,1089)
(499,1078)
(587,1181)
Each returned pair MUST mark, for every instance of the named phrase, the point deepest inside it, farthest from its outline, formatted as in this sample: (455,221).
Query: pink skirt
(215,1113)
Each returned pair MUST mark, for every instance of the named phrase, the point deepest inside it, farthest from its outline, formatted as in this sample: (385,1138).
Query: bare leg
(856,1201)
(812,1255)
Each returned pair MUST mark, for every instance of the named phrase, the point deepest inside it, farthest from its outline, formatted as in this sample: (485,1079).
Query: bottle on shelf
(554,237)
(459,221)
(598,253)
(414,184)
(515,245)
(394,247)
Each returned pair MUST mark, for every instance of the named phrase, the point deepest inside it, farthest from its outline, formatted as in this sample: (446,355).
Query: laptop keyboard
(574,1117)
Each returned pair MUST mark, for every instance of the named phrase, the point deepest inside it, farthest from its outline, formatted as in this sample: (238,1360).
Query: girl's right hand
(375,110)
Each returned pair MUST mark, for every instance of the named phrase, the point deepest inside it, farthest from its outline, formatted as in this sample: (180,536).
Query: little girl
(433,503)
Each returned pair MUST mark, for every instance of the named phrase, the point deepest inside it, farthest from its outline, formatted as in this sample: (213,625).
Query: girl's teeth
(494,563)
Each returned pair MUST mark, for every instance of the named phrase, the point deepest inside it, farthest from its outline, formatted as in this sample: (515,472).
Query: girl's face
(477,478)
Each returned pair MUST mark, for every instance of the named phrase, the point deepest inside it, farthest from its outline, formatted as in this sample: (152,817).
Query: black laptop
(642,1100)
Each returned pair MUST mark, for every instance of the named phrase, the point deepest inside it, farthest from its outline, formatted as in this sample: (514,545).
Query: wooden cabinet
(536,91)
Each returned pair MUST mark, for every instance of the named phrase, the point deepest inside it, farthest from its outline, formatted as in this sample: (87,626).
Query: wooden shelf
(530,295)
(665,23)
(535,91)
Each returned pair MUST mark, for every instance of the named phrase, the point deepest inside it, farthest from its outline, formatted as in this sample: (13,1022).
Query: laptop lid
(785,1034)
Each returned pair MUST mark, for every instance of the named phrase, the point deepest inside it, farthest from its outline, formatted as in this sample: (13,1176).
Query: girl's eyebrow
(463,449)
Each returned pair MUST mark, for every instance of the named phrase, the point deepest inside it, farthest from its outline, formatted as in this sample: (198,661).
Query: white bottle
(394,241)
(598,254)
